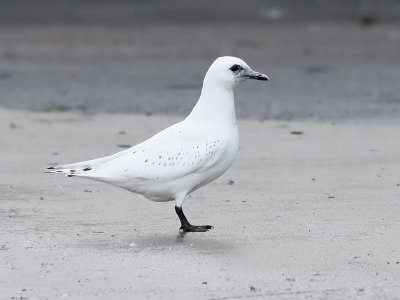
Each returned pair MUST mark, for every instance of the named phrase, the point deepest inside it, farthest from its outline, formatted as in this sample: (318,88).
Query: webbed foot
(193,228)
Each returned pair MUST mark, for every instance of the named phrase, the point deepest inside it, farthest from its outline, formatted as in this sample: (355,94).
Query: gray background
(327,60)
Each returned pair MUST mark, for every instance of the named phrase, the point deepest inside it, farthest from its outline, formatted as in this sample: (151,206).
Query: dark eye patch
(235,68)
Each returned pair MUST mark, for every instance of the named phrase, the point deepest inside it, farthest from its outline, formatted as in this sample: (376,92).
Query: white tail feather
(79,168)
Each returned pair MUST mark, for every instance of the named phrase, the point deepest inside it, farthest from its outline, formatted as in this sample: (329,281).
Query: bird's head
(229,71)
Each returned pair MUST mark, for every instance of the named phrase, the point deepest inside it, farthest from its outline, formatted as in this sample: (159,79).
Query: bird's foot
(194,228)
(186,226)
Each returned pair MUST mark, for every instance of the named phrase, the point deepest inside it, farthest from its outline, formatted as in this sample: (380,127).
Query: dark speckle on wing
(194,155)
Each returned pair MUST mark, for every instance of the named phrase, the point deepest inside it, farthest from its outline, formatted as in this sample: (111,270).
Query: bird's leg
(186,226)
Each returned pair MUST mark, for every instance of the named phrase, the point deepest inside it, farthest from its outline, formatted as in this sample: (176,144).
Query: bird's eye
(235,68)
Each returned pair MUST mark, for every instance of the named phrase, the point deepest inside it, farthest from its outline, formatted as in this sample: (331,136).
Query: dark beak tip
(262,77)
(259,76)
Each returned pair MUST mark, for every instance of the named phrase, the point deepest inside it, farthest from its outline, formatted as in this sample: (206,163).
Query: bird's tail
(84,168)
(74,169)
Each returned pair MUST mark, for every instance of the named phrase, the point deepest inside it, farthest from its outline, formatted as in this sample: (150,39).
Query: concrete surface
(308,216)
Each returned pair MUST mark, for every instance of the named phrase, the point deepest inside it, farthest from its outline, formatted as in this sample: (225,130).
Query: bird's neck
(215,105)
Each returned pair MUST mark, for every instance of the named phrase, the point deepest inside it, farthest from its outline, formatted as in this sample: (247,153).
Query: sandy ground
(308,216)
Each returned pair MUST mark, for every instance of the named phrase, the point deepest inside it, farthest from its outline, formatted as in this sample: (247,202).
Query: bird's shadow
(195,241)
(180,237)
(192,241)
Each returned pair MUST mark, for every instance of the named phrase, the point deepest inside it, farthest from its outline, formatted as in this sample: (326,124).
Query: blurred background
(327,60)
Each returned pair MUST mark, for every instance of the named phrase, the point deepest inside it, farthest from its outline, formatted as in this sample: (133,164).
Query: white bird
(185,156)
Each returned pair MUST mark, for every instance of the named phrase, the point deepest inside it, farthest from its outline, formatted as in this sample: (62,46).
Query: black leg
(186,226)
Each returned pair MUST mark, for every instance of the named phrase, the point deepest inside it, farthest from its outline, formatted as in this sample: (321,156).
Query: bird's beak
(257,76)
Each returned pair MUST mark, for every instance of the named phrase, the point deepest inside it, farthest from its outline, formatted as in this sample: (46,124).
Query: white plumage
(184,156)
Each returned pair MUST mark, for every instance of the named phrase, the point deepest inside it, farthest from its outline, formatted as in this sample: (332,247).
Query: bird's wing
(172,153)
